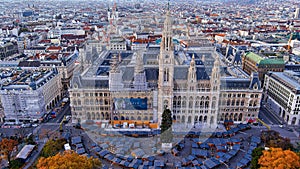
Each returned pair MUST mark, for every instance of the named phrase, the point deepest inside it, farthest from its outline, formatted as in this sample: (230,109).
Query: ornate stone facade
(139,85)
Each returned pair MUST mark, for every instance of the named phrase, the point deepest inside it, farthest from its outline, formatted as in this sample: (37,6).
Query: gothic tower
(215,91)
(166,68)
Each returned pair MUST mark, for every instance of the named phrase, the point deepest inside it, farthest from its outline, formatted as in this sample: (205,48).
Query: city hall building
(139,85)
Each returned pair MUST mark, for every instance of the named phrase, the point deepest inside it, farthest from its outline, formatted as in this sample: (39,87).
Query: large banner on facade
(130,103)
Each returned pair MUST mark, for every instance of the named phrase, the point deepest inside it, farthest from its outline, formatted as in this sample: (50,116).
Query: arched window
(205,119)
(178,118)
(86,101)
(88,115)
(197,104)
(190,104)
(251,103)
(235,117)
(166,75)
(240,117)
(255,104)
(183,103)
(189,119)
(183,119)
(232,102)
(212,120)
(179,102)
(222,117)
(201,104)
(213,104)
(196,118)
(294,120)
(206,104)
(93,116)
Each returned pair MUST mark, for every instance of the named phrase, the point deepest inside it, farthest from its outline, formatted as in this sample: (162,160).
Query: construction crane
(290,41)
(263,123)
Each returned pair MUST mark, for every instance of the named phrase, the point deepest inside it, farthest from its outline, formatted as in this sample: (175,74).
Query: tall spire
(166,43)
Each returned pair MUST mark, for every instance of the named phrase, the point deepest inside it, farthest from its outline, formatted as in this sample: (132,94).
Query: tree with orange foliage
(7,146)
(68,159)
(276,158)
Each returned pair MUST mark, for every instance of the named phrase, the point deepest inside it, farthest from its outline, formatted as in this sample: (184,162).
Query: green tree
(166,127)
(256,153)
(166,121)
(52,147)
(16,164)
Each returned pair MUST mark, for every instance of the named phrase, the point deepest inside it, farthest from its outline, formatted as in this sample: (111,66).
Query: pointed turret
(192,72)
(114,64)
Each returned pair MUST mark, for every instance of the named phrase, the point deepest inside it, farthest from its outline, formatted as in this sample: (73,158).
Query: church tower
(166,68)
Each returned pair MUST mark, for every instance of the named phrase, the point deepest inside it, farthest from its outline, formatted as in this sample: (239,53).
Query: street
(268,117)
(60,115)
